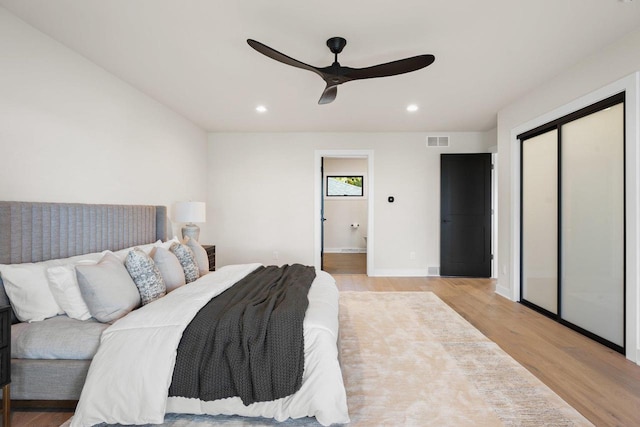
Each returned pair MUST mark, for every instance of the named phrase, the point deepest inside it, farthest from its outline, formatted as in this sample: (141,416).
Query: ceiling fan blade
(328,95)
(389,69)
(280,57)
(335,74)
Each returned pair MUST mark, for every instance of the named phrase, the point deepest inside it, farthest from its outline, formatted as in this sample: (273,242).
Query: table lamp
(190,212)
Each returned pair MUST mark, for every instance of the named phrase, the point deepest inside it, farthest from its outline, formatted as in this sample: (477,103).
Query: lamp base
(191,230)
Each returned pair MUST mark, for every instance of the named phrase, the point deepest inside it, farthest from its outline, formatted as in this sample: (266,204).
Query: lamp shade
(189,212)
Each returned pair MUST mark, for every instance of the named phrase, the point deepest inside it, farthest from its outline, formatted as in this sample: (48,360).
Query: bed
(132,370)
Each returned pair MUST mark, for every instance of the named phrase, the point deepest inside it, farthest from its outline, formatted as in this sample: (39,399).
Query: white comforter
(129,378)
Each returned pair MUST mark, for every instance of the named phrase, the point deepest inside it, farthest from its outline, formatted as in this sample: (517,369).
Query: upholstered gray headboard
(32,232)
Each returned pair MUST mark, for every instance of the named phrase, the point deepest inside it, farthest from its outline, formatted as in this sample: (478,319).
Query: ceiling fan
(336,74)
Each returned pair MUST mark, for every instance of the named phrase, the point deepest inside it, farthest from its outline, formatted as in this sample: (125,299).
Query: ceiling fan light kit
(335,74)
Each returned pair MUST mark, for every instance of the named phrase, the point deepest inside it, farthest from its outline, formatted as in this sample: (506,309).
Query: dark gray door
(465,215)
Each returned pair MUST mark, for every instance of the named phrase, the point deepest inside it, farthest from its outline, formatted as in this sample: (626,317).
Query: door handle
(446,220)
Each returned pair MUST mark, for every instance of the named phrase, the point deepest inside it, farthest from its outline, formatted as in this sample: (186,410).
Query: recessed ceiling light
(261,109)
(412,108)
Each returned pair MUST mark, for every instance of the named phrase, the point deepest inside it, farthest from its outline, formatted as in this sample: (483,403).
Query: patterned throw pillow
(145,275)
(187,261)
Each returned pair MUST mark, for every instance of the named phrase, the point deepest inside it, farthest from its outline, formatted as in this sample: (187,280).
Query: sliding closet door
(573,221)
(592,223)
(540,221)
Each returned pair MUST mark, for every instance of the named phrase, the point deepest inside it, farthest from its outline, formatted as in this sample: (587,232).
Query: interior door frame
(317,216)
(487,160)
(322,218)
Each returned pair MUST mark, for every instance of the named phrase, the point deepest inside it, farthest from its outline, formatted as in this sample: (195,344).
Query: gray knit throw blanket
(248,341)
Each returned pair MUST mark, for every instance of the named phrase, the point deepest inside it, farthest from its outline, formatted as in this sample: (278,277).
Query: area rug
(408,359)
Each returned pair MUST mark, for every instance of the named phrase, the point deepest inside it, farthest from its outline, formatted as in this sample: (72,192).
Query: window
(345,186)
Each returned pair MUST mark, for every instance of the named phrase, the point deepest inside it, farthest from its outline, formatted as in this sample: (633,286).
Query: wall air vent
(437,141)
(433,271)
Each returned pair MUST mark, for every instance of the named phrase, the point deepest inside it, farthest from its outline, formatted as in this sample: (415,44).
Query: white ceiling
(192,55)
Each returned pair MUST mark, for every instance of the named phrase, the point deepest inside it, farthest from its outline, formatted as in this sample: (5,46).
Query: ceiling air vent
(437,141)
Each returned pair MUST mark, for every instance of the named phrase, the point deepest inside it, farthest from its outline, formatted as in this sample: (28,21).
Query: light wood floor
(344,263)
(600,383)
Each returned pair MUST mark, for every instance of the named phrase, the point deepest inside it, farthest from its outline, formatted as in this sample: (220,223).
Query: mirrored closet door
(572,224)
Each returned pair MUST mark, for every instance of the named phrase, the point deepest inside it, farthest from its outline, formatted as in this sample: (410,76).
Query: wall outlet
(275,255)
(412,255)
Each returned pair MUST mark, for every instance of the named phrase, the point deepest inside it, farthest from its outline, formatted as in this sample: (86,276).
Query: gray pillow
(170,268)
(107,289)
(200,254)
(145,275)
(187,261)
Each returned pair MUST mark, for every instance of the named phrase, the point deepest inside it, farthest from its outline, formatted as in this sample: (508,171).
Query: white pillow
(202,259)
(64,287)
(28,290)
(91,257)
(170,268)
(122,254)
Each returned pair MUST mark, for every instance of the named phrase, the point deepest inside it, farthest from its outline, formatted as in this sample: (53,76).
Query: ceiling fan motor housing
(336,44)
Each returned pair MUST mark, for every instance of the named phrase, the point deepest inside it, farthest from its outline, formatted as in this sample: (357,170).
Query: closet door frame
(557,124)
(556,226)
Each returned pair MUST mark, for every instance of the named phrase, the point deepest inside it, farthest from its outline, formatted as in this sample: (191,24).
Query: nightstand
(5,363)
(211,253)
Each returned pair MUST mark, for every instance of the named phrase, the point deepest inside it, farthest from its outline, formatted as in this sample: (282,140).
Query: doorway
(345,219)
(354,234)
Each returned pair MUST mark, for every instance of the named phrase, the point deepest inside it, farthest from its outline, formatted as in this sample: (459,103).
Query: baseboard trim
(401,273)
(504,292)
(345,250)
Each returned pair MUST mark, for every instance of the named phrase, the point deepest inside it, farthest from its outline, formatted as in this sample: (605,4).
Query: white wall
(261,195)
(71,132)
(342,212)
(595,78)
